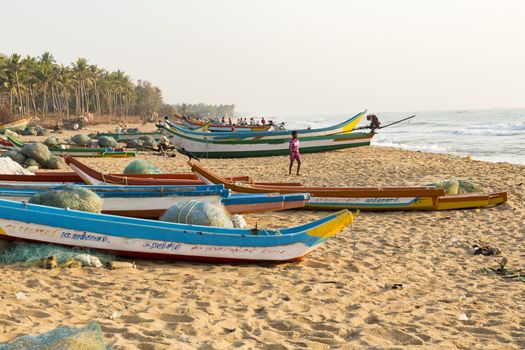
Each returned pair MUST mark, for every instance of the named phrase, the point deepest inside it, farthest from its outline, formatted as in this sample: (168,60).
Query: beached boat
(99,152)
(366,198)
(92,177)
(265,147)
(157,239)
(17,125)
(344,127)
(152,201)
(194,124)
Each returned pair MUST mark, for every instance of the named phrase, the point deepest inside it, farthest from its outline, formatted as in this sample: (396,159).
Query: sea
(495,135)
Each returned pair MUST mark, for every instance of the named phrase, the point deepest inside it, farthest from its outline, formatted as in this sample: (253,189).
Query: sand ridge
(337,297)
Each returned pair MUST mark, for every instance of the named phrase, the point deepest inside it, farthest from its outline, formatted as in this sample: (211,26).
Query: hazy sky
(292,57)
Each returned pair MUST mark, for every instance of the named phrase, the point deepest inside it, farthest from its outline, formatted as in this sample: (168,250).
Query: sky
(288,57)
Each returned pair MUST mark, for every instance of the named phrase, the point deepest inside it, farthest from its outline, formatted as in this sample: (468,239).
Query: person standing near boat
(294,152)
(374,122)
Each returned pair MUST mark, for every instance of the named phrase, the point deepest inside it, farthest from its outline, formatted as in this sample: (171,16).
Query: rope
(189,212)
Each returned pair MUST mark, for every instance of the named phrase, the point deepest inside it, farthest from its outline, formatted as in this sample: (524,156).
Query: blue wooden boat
(157,239)
(152,201)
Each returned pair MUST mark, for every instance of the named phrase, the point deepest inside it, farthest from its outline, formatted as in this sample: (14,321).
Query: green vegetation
(199,110)
(40,86)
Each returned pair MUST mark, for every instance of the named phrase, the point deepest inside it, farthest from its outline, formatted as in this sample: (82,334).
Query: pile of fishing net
(140,166)
(457,186)
(69,196)
(106,141)
(149,142)
(36,155)
(81,140)
(52,141)
(51,256)
(202,213)
(89,337)
(34,131)
(9,167)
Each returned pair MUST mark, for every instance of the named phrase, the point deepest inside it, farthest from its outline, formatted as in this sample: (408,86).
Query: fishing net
(41,131)
(81,139)
(89,337)
(238,221)
(29,131)
(198,213)
(149,142)
(72,197)
(31,162)
(34,254)
(56,163)
(15,155)
(9,167)
(134,143)
(52,141)
(455,186)
(140,166)
(132,130)
(38,151)
(106,141)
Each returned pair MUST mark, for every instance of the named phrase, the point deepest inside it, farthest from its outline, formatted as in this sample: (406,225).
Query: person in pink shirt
(294,152)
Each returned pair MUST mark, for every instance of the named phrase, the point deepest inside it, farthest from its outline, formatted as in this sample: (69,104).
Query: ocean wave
(432,148)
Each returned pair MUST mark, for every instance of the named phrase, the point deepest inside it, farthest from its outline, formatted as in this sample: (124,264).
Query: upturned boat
(157,239)
(152,201)
(365,198)
(17,125)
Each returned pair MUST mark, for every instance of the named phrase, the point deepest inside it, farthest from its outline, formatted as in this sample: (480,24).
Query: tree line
(199,110)
(40,86)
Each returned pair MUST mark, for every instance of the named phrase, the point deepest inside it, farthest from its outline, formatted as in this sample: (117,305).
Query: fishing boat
(92,177)
(17,125)
(344,127)
(157,239)
(98,152)
(194,124)
(152,201)
(365,198)
(264,147)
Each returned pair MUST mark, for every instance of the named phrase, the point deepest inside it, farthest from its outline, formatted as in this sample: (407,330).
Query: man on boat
(294,152)
(263,121)
(374,122)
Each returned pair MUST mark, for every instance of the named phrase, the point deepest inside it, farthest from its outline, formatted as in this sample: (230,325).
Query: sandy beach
(340,296)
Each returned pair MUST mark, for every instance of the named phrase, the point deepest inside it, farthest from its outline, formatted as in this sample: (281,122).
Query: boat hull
(17,125)
(367,199)
(155,239)
(232,149)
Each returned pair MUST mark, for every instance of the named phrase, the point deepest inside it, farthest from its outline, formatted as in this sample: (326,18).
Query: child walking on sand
(294,152)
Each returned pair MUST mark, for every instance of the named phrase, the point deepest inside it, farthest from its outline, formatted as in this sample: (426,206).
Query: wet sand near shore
(340,296)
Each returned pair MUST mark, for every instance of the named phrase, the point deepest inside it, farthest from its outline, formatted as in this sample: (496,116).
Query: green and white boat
(211,148)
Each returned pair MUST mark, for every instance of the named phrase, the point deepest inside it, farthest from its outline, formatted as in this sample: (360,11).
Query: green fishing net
(89,337)
(32,254)
(81,139)
(140,166)
(456,186)
(38,151)
(106,141)
(72,197)
(198,213)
